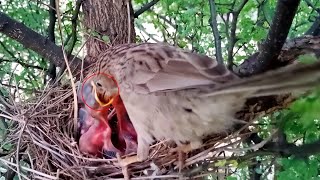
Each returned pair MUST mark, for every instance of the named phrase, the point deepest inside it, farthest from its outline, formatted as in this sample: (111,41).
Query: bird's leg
(181,155)
(186,148)
(127,161)
(142,154)
(124,167)
(183,149)
(182,159)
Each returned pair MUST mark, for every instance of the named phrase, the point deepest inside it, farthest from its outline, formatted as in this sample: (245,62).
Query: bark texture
(112,18)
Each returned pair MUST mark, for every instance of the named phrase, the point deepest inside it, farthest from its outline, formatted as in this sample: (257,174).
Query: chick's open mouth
(102,99)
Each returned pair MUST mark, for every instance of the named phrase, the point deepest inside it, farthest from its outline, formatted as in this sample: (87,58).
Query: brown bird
(170,93)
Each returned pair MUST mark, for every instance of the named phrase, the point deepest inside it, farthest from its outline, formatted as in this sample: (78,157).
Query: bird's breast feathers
(180,118)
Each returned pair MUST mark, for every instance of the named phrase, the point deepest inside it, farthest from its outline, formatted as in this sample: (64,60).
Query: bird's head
(105,89)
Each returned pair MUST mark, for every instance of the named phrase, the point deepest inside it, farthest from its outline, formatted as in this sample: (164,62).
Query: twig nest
(42,130)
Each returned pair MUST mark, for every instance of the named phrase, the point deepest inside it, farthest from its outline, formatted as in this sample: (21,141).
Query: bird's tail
(293,78)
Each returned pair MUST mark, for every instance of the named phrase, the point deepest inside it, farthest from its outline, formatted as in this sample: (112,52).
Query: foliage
(301,125)
(299,169)
(186,24)
(22,66)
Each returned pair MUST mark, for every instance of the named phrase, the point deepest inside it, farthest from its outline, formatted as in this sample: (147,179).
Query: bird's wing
(155,68)
(160,68)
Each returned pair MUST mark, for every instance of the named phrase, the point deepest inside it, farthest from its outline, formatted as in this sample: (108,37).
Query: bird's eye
(98,84)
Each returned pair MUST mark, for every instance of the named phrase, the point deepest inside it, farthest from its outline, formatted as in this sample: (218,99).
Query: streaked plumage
(182,96)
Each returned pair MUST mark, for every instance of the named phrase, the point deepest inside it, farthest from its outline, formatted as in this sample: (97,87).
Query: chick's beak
(101,103)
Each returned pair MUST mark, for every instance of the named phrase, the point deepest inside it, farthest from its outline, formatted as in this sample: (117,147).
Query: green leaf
(307,58)
(258,170)
(231,178)
(234,163)
(221,163)
(7,146)
(105,38)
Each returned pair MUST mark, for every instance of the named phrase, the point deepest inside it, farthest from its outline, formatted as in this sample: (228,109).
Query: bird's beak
(103,104)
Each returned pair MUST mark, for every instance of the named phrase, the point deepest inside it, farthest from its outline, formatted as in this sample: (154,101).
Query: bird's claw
(182,151)
(186,148)
(126,161)
(182,148)
(182,160)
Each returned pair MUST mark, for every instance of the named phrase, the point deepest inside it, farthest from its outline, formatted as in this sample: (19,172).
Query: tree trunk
(107,18)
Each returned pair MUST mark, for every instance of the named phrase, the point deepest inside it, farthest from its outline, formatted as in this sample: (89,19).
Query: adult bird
(183,96)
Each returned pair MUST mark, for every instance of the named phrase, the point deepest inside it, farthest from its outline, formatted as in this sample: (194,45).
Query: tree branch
(22,64)
(166,20)
(214,25)
(7,50)
(52,21)
(254,163)
(303,150)
(233,39)
(34,41)
(271,48)
(73,34)
(74,20)
(314,8)
(52,70)
(314,30)
(151,36)
(7,107)
(21,88)
(145,8)
(281,146)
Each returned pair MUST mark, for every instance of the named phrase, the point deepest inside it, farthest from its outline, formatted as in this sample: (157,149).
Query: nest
(42,133)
